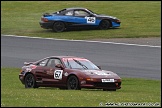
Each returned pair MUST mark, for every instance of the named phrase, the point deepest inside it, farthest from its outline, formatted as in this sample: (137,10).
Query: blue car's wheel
(58,26)
(104,24)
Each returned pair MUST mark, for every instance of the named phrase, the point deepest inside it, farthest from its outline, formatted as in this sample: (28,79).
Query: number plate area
(107,80)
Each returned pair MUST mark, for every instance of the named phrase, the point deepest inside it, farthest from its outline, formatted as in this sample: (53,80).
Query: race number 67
(58,74)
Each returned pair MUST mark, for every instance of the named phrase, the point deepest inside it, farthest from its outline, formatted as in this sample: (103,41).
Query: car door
(54,74)
(45,72)
(82,17)
(41,72)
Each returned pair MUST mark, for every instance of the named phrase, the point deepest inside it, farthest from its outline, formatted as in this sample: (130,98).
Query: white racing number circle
(58,74)
(91,19)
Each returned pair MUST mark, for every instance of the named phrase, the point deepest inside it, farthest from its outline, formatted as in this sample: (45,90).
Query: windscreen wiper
(68,63)
(85,67)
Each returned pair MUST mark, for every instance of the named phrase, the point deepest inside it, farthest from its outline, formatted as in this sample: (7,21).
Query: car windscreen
(79,63)
(59,12)
(91,11)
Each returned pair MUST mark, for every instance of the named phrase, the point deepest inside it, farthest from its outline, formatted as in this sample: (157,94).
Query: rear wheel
(73,83)
(58,26)
(104,24)
(30,81)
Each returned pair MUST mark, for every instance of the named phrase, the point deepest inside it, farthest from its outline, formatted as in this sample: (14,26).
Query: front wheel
(58,26)
(30,81)
(104,24)
(73,83)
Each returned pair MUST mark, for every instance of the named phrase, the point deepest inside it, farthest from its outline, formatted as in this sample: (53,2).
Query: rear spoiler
(47,14)
(28,63)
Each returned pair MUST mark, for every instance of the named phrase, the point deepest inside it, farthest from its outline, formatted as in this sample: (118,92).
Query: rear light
(44,19)
(117,20)
(21,70)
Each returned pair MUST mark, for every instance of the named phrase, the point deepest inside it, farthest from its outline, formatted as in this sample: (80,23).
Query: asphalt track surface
(136,61)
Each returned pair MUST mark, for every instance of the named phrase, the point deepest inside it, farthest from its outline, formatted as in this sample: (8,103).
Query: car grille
(107,85)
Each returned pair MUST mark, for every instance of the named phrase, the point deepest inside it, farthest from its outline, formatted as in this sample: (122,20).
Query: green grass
(138,18)
(14,94)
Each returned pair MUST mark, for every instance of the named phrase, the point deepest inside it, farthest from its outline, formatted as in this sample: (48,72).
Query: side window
(80,13)
(43,63)
(53,62)
(69,13)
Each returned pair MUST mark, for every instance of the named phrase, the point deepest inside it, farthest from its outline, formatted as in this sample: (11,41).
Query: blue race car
(77,17)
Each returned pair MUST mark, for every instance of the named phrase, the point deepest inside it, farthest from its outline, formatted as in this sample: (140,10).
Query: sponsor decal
(101,73)
(83,82)
(50,72)
(66,74)
(97,72)
(28,69)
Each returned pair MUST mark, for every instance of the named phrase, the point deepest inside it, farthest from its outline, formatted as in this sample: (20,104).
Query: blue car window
(70,13)
(80,13)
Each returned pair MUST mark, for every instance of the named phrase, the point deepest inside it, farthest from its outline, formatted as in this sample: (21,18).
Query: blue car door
(75,19)
(79,17)
(82,17)
(79,20)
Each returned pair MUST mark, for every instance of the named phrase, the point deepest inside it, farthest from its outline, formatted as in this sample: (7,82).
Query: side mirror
(59,66)
(99,67)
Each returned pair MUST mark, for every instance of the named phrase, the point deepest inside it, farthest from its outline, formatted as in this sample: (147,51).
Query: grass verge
(138,18)
(13,93)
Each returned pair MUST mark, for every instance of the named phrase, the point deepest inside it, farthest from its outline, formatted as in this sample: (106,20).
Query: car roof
(74,8)
(60,57)
(64,57)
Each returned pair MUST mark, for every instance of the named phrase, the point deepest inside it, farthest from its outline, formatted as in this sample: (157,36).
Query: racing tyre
(73,83)
(58,26)
(30,81)
(104,24)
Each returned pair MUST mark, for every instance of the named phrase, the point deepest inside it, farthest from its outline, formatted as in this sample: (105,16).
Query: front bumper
(115,24)
(100,85)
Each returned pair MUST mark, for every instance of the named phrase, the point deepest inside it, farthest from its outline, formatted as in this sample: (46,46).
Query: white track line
(85,41)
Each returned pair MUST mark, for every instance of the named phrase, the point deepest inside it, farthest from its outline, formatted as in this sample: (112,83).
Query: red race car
(68,72)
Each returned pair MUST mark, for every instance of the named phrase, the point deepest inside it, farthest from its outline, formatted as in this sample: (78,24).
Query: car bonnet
(100,73)
(106,16)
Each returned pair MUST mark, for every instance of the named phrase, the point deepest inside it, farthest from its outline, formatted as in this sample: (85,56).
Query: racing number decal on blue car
(91,19)
(58,74)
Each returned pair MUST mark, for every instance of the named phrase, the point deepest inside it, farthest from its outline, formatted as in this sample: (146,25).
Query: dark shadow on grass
(71,29)
(83,89)
(48,88)
(86,29)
